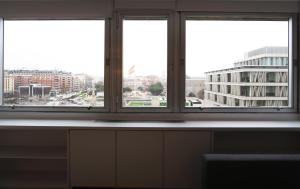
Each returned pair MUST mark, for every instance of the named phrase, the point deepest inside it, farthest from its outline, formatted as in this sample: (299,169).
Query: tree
(99,86)
(140,88)
(191,94)
(127,89)
(200,94)
(156,89)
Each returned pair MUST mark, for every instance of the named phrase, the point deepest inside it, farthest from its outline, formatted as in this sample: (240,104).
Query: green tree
(191,94)
(140,88)
(127,89)
(200,94)
(156,89)
(99,86)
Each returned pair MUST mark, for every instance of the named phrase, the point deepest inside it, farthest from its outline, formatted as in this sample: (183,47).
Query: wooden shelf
(33,180)
(32,152)
(33,159)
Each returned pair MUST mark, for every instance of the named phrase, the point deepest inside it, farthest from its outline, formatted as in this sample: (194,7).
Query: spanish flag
(131,70)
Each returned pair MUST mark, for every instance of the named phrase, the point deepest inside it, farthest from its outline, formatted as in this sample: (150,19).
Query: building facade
(58,81)
(8,84)
(260,80)
(82,82)
(32,90)
(194,87)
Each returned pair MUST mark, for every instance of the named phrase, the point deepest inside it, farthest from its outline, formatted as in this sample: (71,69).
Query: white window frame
(293,60)
(175,109)
(72,109)
(144,15)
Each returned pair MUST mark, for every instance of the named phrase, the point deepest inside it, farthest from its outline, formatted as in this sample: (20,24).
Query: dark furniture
(251,171)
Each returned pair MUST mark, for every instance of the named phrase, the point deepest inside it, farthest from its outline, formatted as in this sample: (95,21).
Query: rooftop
(254,59)
(267,52)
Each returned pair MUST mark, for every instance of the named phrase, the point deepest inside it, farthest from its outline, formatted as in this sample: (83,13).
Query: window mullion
(1,60)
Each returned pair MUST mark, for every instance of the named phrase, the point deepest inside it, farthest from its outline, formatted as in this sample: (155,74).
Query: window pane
(144,63)
(236,63)
(54,63)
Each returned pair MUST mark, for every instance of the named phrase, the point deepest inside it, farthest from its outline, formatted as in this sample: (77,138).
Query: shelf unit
(33,180)
(34,159)
(32,152)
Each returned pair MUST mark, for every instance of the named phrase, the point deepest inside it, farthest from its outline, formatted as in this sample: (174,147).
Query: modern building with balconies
(260,80)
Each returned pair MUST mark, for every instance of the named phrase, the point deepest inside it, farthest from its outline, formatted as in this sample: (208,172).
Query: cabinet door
(273,142)
(139,159)
(92,158)
(183,158)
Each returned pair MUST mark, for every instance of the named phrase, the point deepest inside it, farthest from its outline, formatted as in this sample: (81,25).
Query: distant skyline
(41,70)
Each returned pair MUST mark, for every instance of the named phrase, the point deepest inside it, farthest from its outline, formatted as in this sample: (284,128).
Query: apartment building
(194,86)
(57,80)
(82,82)
(261,79)
(8,84)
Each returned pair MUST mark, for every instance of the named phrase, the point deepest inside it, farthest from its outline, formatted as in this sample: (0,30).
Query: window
(245,77)
(271,91)
(246,53)
(54,63)
(228,89)
(245,91)
(237,102)
(228,77)
(225,100)
(154,62)
(261,103)
(219,78)
(271,77)
(145,63)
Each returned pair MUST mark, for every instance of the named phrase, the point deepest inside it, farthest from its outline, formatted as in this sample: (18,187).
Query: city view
(54,63)
(260,80)
(144,63)
(52,88)
(140,91)
(237,63)
(243,65)
(228,64)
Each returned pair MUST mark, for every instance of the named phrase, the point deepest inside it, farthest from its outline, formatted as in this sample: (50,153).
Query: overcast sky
(72,46)
(145,47)
(78,46)
(212,45)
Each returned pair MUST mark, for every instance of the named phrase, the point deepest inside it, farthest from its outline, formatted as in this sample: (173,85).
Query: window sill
(144,117)
(147,125)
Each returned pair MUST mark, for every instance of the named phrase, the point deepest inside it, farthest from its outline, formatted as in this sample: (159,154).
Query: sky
(145,47)
(72,46)
(78,46)
(213,45)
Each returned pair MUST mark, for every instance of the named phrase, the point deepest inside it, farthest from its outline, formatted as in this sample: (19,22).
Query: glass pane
(236,63)
(144,63)
(54,63)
